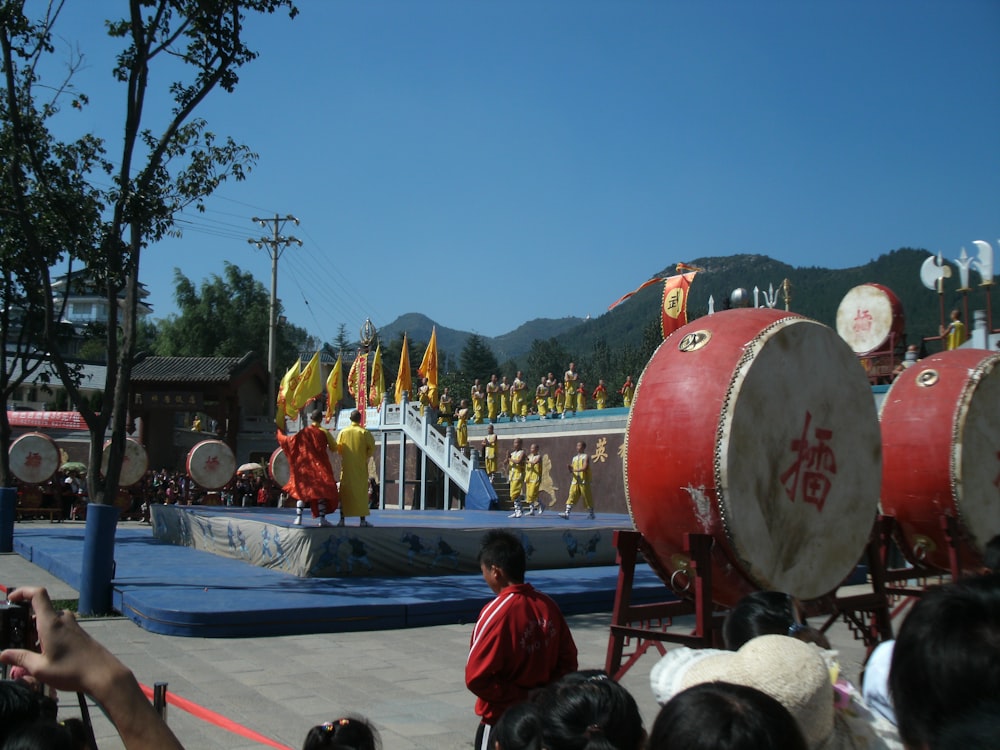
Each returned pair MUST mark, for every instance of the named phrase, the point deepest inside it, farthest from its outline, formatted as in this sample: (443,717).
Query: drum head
(281,472)
(867,315)
(34,458)
(133,466)
(799,461)
(976,454)
(211,464)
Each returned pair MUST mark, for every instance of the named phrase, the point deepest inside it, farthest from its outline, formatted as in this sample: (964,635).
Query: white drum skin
(870,318)
(34,458)
(133,466)
(211,464)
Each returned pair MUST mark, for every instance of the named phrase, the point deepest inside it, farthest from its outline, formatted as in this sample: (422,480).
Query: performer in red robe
(311,472)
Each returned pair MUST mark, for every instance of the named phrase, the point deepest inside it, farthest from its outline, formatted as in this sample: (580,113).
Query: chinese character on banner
(675,296)
(814,464)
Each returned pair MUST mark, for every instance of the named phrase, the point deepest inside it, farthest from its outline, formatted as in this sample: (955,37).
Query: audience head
(946,660)
(991,555)
(520,728)
(767,613)
(28,720)
(504,551)
(588,710)
(348,733)
(724,716)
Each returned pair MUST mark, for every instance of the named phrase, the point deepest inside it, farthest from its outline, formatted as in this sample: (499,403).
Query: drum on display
(134,464)
(211,464)
(757,427)
(34,458)
(870,318)
(941,455)
(281,473)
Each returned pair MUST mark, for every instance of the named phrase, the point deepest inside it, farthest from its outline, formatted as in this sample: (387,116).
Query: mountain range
(814,292)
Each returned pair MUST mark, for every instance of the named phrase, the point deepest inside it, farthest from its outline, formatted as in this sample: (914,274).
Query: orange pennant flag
(309,385)
(634,292)
(429,364)
(334,389)
(675,299)
(287,383)
(404,380)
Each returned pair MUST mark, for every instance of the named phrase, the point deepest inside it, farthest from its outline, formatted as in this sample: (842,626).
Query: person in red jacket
(521,640)
(311,472)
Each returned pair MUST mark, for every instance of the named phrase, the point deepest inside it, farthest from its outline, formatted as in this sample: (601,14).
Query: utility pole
(275,245)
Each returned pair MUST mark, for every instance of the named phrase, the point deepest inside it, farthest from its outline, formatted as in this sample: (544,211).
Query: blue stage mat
(176,590)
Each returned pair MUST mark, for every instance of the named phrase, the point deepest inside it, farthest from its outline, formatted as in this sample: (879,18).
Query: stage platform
(182,591)
(401,543)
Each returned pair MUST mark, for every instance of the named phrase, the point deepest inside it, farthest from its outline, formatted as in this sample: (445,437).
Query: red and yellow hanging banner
(673,311)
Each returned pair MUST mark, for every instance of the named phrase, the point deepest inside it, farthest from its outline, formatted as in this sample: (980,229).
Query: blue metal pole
(98,566)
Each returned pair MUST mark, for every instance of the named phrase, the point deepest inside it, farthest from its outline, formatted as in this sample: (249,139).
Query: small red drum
(941,454)
(134,464)
(870,318)
(281,472)
(758,428)
(34,458)
(211,464)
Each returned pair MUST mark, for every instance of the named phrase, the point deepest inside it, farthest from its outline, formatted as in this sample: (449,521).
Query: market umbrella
(73,466)
(249,467)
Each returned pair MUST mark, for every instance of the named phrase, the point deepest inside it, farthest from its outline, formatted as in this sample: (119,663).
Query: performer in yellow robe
(533,480)
(579,486)
(462,425)
(627,391)
(490,451)
(954,335)
(445,415)
(492,399)
(519,398)
(515,474)
(356,446)
(478,403)
(542,398)
(581,397)
(569,387)
(601,395)
(504,397)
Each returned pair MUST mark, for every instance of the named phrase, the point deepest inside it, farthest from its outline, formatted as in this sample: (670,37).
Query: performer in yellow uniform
(954,334)
(478,403)
(504,397)
(579,486)
(542,398)
(600,395)
(462,425)
(519,398)
(560,399)
(581,397)
(551,384)
(356,446)
(533,480)
(445,415)
(569,388)
(515,474)
(492,399)
(627,391)
(490,451)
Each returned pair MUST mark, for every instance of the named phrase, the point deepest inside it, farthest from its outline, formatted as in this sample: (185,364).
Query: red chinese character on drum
(817,460)
(33,460)
(863,321)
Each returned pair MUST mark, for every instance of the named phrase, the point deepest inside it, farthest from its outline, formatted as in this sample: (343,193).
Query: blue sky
(488,163)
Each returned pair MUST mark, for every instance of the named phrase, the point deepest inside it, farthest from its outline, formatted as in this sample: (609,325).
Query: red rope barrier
(212,717)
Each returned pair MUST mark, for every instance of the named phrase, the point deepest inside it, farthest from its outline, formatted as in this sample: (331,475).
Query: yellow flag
(378,379)
(309,385)
(283,391)
(334,389)
(429,364)
(404,380)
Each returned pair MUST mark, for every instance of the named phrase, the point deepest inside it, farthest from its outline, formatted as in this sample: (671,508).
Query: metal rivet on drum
(927,378)
(694,341)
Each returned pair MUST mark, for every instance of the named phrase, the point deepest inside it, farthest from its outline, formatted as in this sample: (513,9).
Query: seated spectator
(69,659)
(520,728)
(723,716)
(768,613)
(590,710)
(796,674)
(875,680)
(348,733)
(946,661)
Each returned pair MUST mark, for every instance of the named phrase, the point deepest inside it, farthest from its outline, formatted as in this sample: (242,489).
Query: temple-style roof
(192,369)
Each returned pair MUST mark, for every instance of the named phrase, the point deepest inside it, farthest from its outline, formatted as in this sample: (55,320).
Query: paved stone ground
(409,683)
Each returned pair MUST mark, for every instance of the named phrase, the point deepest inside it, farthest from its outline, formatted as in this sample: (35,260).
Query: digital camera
(17,628)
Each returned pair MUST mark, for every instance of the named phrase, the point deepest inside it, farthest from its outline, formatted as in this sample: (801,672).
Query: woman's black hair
(589,711)
(519,728)
(724,716)
(347,733)
(756,614)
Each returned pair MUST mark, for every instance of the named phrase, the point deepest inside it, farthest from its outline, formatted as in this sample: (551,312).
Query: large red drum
(757,427)
(133,466)
(34,458)
(211,464)
(941,451)
(870,318)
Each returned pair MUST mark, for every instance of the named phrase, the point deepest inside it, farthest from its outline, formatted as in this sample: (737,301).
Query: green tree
(545,357)
(58,194)
(477,360)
